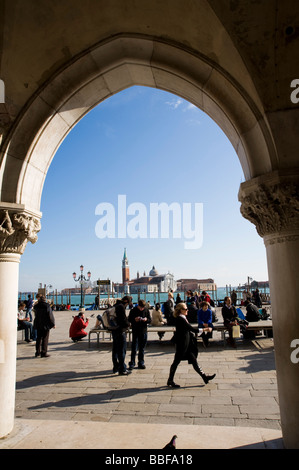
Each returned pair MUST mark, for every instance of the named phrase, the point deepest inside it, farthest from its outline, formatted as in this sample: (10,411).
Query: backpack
(109,319)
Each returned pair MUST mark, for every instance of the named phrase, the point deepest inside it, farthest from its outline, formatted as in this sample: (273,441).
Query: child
(204,318)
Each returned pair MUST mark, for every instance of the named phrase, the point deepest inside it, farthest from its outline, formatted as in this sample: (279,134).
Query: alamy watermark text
(295,93)
(2,91)
(138,221)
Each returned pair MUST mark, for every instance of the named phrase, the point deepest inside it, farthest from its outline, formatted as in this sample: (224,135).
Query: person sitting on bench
(24,323)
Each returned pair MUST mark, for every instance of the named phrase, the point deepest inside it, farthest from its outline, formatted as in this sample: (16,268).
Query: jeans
(100,318)
(29,314)
(27,326)
(138,342)
(119,349)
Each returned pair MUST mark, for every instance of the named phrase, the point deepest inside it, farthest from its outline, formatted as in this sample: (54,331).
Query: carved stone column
(271,202)
(17,226)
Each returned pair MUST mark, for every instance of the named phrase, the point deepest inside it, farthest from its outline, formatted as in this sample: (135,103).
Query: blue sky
(153,147)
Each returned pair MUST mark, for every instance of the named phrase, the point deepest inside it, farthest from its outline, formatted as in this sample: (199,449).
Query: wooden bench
(101,332)
(252,326)
(219,326)
(98,332)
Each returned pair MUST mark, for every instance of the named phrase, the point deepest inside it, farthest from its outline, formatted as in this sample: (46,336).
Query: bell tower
(125,268)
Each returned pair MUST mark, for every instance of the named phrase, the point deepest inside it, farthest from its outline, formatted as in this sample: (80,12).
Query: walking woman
(186,345)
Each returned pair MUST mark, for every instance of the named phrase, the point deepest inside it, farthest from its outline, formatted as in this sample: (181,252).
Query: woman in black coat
(186,345)
(44,321)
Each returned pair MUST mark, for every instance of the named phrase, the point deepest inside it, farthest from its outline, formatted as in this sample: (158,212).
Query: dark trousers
(27,326)
(42,340)
(229,327)
(79,337)
(119,349)
(138,343)
(206,336)
(191,359)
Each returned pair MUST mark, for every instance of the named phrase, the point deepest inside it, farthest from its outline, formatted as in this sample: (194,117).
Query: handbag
(236,331)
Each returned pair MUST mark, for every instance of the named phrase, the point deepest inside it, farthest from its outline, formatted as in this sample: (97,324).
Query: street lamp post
(82,278)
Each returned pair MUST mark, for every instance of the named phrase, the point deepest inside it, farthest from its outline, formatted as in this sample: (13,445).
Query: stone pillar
(271,202)
(17,226)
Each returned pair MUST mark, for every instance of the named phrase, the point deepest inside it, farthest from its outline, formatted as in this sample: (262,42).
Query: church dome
(153,272)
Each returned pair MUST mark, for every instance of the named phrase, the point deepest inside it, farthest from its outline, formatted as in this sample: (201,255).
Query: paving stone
(180,408)
(259,423)
(169,419)
(260,410)
(261,401)
(152,407)
(212,400)
(176,400)
(214,421)
(220,409)
(127,418)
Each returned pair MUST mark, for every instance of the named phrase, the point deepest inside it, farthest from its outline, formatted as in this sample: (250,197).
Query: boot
(170,382)
(206,378)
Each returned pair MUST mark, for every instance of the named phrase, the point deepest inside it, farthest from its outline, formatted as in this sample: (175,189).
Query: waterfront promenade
(72,399)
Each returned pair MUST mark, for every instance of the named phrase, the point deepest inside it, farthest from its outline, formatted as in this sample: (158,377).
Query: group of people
(138,319)
(37,329)
(254,297)
(197,309)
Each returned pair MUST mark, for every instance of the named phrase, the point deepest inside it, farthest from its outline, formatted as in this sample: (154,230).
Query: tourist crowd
(197,309)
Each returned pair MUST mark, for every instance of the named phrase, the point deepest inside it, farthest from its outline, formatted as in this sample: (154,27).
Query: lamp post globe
(81,279)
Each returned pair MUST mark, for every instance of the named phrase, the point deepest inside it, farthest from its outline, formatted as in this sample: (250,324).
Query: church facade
(153,282)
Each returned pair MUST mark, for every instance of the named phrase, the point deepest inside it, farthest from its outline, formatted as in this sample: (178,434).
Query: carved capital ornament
(272,206)
(16,229)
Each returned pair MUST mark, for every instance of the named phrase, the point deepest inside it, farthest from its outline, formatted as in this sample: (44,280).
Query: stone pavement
(73,396)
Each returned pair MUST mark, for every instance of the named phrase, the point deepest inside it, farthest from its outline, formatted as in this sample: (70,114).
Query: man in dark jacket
(139,318)
(43,322)
(192,312)
(230,318)
(119,347)
(252,312)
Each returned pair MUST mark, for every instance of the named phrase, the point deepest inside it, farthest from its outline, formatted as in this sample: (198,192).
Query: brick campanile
(125,268)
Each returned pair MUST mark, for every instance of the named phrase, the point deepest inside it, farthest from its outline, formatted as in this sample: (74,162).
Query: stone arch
(221,56)
(107,68)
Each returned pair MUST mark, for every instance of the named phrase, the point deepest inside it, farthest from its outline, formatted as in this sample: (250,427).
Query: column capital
(271,203)
(17,226)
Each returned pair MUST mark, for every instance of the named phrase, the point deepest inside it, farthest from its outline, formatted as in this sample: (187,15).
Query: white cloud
(175,103)
(190,107)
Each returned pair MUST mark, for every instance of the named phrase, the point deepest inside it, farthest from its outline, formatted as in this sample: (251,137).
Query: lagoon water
(161,297)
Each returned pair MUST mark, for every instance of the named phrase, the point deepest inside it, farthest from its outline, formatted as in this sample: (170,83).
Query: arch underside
(106,69)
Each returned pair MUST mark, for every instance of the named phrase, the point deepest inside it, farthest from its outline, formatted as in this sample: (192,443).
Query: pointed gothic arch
(108,68)
(219,58)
